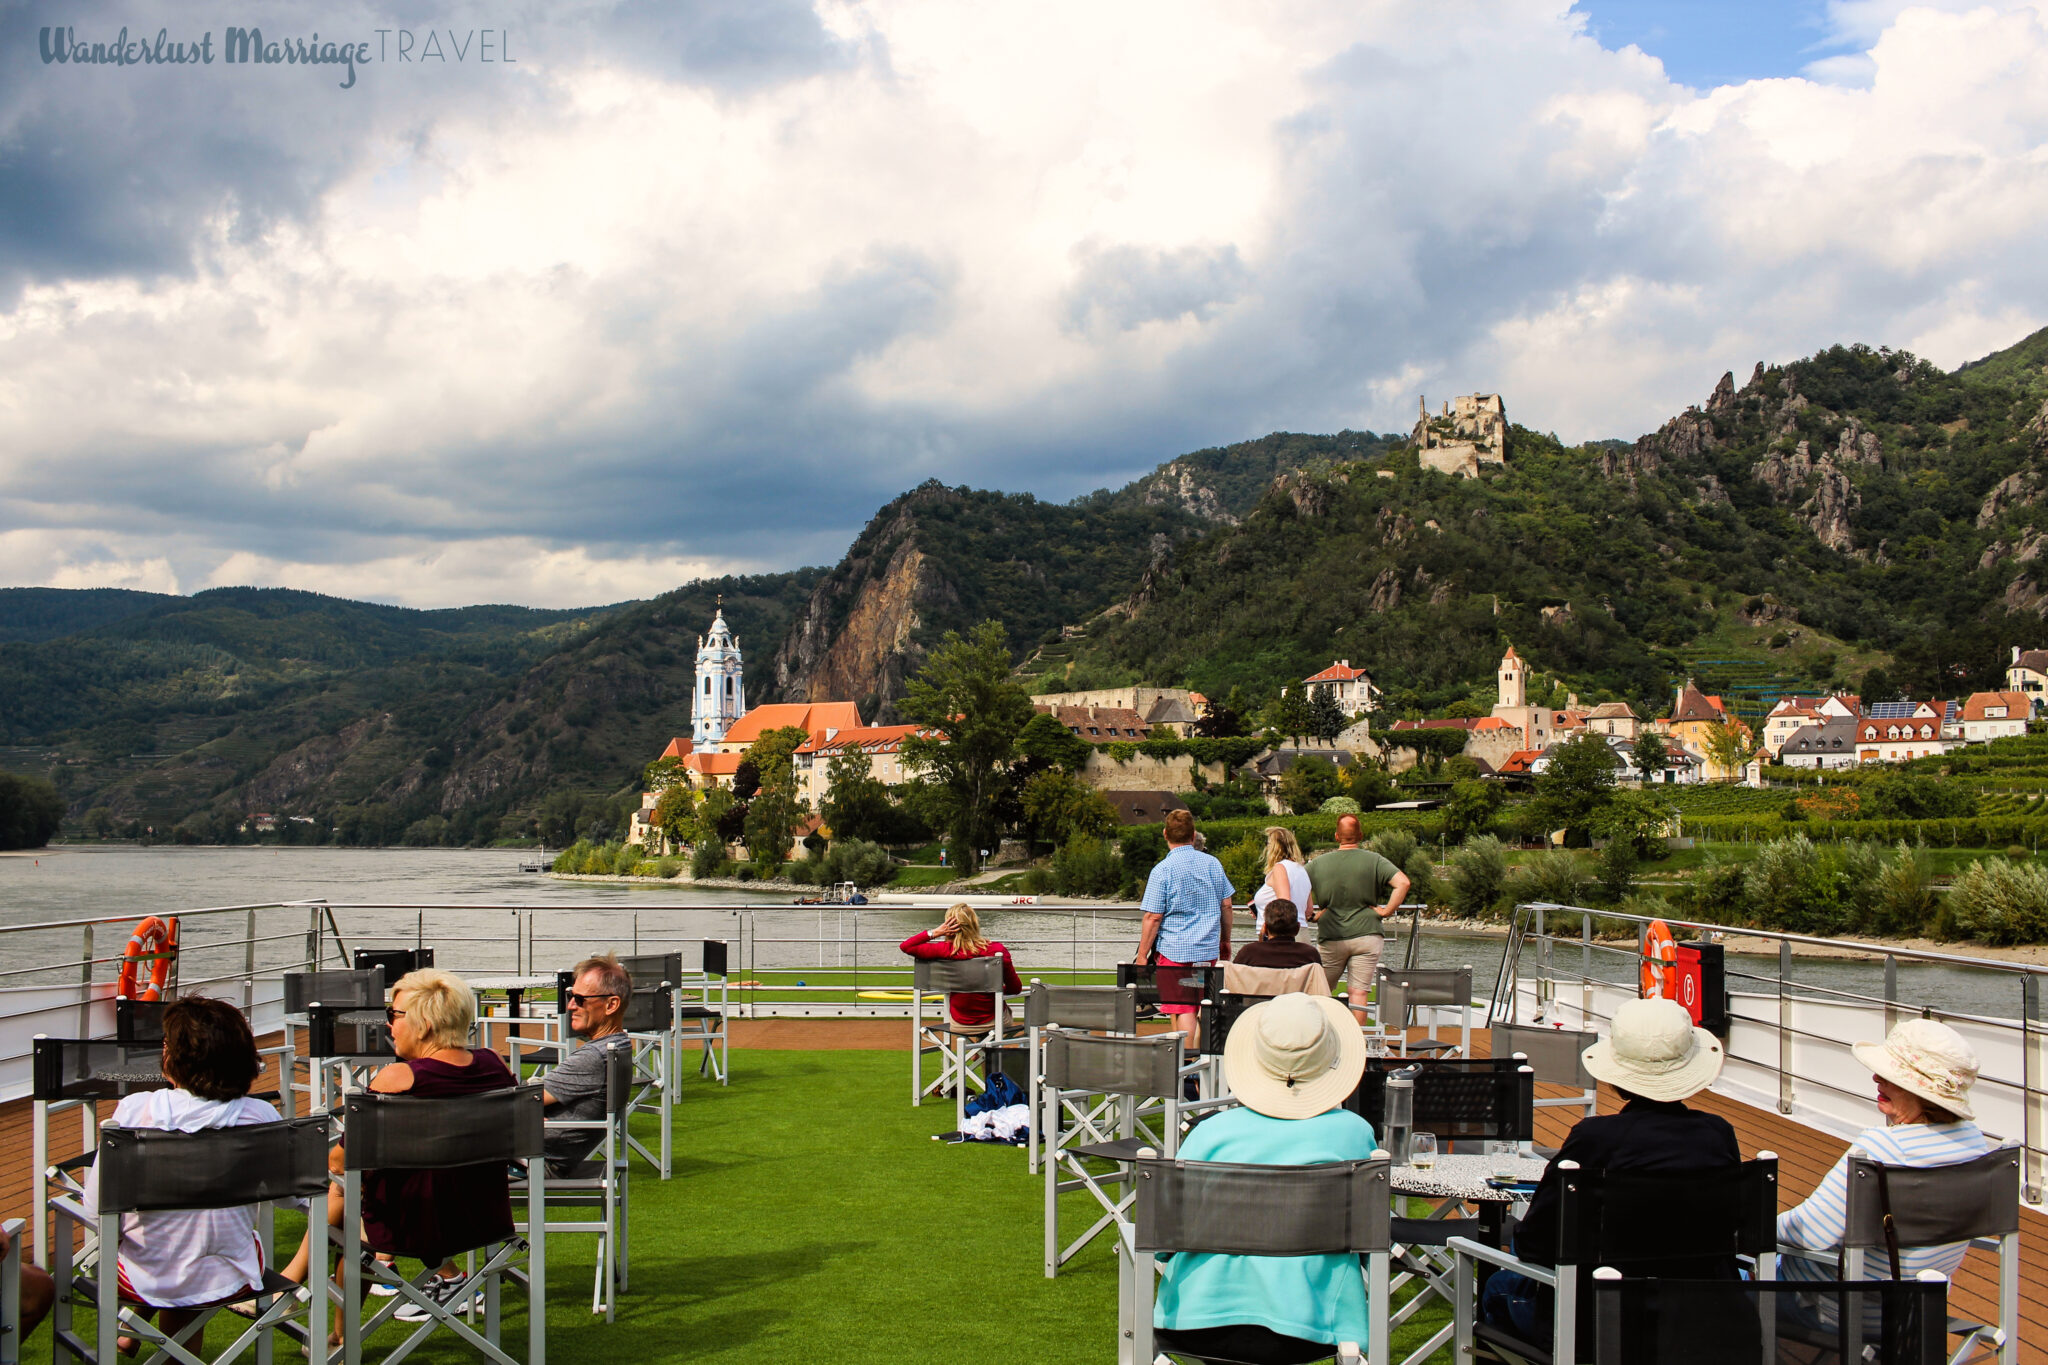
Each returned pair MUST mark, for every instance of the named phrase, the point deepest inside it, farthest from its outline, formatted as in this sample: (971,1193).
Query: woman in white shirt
(178,1259)
(1286,878)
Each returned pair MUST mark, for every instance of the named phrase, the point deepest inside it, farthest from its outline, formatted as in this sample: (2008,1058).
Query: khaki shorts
(1355,958)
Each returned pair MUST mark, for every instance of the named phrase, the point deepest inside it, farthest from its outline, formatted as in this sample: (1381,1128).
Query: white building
(2028,673)
(1894,731)
(1994,715)
(720,697)
(1828,744)
(1351,688)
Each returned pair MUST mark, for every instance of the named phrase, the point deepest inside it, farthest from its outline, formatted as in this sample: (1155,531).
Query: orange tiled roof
(679,746)
(1492,723)
(1519,761)
(811,716)
(1337,672)
(2017,705)
(871,738)
(713,765)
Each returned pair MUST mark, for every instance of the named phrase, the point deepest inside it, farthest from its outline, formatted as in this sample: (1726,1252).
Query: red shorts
(1180,994)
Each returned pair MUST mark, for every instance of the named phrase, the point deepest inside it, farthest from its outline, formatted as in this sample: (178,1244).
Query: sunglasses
(392,1016)
(578,999)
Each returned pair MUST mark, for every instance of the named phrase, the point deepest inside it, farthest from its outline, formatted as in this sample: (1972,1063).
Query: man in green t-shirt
(1355,888)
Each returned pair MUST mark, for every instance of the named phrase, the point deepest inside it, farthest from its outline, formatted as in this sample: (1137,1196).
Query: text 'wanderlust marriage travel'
(248,47)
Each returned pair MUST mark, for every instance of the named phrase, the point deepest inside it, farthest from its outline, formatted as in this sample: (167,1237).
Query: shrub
(707,859)
(1792,885)
(1086,867)
(572,858)
(1338,805)
(856,861)
(1559,878)
(1475,874)
(1903,900)
(1422,880)
(2000,903)
(1617,871)
(1244,862)
(668,868)
(746,872)
(1397,846)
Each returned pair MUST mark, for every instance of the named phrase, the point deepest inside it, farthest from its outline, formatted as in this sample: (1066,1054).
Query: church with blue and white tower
(721,695)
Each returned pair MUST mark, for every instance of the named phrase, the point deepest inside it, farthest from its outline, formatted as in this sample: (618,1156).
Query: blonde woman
(1286,878)
(959,936)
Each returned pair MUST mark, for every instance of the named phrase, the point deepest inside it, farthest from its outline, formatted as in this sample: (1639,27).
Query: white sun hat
(1294,1056)
(1653,1050)
(1929,1059)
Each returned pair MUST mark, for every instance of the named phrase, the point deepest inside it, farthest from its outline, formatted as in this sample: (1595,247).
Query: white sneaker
(453,1295)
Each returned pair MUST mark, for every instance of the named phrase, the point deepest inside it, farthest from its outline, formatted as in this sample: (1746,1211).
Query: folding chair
(77,1073)
(396,962)
(1555,1053)
(650,1023)
(150,1169)
(355,989)
(1403,990)
(1973,1201)
(1186,986)
(1460,1099)
(1097,1009)
(1723,1322)
(139,1021)
(344,1044)
(1615,1219)
(701,1018)
(409,1133)
(952,976)
(1341,1208)
(599,1183)
(1090,1098)
(10,1293)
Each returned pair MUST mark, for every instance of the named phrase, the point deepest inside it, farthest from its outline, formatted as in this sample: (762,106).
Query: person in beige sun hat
(1289,1061)
(1925,1059)
(1654,1050)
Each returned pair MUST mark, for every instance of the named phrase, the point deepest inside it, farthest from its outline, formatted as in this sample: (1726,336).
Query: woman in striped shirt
(1924,1072)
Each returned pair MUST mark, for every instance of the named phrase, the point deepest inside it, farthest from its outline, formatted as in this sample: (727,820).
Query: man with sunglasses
(575,1089)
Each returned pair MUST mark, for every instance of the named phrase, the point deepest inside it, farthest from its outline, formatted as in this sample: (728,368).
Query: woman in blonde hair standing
(959,936)
(1286,878)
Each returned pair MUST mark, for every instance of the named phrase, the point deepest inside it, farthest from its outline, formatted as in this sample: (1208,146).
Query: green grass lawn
(811,1217)
(909,878)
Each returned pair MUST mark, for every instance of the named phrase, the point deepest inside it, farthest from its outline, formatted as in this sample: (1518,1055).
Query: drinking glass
(1422,1151)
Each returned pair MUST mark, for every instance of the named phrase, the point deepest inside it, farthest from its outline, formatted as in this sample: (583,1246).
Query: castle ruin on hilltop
(1471,431)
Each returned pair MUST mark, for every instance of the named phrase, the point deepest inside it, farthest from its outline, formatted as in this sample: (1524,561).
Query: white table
(1457,1179)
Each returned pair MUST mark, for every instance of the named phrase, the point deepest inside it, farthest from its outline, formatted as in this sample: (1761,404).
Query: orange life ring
(154,941)
(1660,956)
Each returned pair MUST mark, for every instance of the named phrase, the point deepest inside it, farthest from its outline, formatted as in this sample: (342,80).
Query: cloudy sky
(665,289)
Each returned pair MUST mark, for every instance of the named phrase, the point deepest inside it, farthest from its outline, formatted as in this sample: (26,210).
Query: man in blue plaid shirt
(1187,917)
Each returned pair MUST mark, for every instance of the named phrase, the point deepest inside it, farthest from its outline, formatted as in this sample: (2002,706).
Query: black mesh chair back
(1148,1068)
(716,955)
(396,962)
(618,1080)
(348,1031)
(651,1010)
(1627,1216)
(1170,985)
(1402,989)
(651,969)
(958,974)
(1723,1322)
(411,1133)
(1553,1052)
(1242,1210)
(95,1069)
(1112,1009)
(1220,1014)
(1459,1099)
(359,988)
(215,1168)
(1935,1204)
(139,1021)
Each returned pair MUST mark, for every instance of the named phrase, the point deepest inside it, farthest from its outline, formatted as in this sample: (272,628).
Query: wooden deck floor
(1805,1155)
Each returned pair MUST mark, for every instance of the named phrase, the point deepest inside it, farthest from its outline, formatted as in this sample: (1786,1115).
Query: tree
(746,779)
(971,714)
(1326,719)
(1576,783)
(1291,715)
(675,814)
(774,768)
(1221,719)
(1368,783)
(770,826)
(1308,782)
(715,817)
(1636,819)
(856,803)
(663,773)
(1652,754)
(1470,809)
(1046,743)
(1058,809)
(99,822)
(1729,746)
(1878,686)
(30,811)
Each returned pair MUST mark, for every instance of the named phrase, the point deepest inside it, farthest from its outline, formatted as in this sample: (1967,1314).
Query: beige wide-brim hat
(1294,1056)
(1930,1060)
(1654,1050)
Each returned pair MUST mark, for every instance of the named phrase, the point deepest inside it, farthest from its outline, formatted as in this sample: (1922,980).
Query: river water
(561,921)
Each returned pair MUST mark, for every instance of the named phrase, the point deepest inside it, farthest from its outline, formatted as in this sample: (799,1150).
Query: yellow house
(1695,717)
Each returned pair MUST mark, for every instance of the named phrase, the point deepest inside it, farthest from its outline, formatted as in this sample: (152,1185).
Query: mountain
(1855,507)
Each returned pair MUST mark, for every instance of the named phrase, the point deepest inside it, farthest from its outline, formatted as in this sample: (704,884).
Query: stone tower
(721,694)
(1514,683)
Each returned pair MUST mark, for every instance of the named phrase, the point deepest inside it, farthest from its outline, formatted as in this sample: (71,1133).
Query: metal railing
(1789,1038)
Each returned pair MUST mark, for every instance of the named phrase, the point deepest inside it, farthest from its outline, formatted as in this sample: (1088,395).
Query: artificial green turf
(812,1217)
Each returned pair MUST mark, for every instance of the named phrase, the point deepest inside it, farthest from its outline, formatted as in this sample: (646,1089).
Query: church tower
(1514,682)
(720,697)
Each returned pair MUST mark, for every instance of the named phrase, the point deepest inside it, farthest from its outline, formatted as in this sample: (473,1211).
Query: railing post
(1891,993)
(312,937)
(85,983)
(1585,972)
(1544,986)
(1784,1028)
(2034,1082)
(249,963)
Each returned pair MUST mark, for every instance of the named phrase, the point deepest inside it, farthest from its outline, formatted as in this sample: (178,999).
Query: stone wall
(1146,774)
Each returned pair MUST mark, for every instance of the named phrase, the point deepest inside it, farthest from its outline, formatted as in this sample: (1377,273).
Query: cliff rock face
(2014,490)
(306,770)
(1176,486)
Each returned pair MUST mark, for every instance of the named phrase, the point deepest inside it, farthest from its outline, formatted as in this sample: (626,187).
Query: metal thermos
(1400,1114)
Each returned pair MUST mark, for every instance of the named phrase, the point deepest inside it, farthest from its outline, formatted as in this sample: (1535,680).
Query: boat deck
(810,1211)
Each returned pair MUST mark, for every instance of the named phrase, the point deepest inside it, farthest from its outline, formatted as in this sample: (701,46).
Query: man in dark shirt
(1276,946)
(1355,888)
(1655,1058)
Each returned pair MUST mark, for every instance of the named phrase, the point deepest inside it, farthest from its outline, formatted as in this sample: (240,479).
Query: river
(570,918)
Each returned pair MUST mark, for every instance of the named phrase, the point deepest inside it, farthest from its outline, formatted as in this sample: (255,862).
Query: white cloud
(637,322)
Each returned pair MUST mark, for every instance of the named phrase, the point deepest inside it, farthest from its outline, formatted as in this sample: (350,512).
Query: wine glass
(1422,1151)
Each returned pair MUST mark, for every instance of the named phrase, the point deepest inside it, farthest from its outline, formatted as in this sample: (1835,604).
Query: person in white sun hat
(1924,1072)
(1293,1061)
(1655,1059)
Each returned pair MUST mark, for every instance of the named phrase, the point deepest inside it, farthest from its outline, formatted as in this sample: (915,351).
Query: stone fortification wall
(1141,773)
(1137,699)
